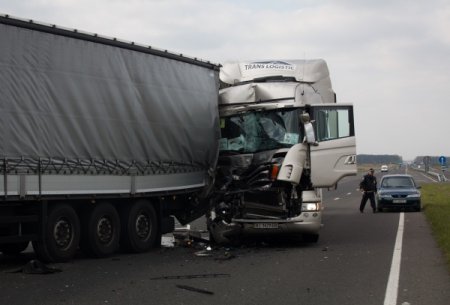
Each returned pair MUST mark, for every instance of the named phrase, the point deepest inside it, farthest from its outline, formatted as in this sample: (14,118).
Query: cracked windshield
(258,131)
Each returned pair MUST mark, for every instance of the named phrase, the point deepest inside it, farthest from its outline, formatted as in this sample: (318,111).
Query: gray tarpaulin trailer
(101,141)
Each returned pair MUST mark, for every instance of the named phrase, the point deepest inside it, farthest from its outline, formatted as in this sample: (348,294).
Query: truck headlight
(307,207)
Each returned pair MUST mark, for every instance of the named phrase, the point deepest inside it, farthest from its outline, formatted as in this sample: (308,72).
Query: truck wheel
(61,237)
(140,226)
(101,230)
(13,249)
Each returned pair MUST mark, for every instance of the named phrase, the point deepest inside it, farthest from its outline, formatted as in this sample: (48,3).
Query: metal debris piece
(204,291)
(203,253)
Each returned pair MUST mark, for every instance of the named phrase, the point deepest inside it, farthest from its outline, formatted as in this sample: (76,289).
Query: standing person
(368,186)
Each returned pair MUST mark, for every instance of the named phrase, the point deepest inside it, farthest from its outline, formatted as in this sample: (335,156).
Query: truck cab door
(334,155)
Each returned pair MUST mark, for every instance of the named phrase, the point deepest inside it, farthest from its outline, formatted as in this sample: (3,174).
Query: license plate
(265,225)
(399,201)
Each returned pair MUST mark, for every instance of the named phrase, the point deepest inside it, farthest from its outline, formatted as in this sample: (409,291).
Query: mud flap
(167,224)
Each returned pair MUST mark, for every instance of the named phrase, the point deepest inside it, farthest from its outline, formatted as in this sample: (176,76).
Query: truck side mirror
(310,137)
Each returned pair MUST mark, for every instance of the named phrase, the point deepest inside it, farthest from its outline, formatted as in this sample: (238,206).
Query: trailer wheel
(13,248)
(101,230)
(140,226)
(61,237)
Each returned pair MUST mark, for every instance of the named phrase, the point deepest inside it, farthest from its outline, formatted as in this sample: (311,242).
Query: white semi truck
(102,142)
(283,139)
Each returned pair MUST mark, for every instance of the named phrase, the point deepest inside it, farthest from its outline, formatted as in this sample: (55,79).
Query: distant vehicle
(398,191)
(384,168)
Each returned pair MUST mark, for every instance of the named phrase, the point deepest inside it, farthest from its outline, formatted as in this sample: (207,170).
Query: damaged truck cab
(283,139)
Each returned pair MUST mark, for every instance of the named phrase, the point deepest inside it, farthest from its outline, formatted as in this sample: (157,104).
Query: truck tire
(101,230)
(13,248)
(61,237)
(139,226)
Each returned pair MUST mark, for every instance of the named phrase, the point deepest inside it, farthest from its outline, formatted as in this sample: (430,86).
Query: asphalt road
(351,264)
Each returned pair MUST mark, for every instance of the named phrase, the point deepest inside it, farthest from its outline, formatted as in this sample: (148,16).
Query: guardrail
(438,176)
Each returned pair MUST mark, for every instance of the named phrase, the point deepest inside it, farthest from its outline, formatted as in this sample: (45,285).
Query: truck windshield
(260,130)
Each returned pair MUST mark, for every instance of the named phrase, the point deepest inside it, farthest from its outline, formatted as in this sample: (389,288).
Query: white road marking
(394,275)
(337,198)
(349,193)
(428,177)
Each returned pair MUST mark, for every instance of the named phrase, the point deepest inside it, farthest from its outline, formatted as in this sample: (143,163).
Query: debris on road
(190,238)
(192,276)
(203,253)
(226,256)
(167,241)
(198,240)
(204,291)
(35,266)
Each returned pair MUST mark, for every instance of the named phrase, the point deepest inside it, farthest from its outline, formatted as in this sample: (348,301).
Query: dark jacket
(368,183)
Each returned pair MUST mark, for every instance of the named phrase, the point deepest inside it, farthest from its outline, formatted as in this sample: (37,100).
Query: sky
(390,59)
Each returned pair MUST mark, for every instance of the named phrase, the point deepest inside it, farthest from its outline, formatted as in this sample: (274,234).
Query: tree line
(432,160)
(379,159)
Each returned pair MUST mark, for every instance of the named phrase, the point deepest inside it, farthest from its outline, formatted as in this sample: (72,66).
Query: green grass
(436,204)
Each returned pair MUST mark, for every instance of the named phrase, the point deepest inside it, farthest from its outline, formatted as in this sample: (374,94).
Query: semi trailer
(103,142)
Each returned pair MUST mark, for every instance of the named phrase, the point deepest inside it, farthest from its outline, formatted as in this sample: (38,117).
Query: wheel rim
(63,233)
(143,226)
(105,230)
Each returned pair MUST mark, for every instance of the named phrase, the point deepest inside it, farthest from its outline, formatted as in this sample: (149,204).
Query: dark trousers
(371,197)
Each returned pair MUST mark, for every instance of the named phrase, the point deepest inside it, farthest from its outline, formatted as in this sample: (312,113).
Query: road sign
(442,160)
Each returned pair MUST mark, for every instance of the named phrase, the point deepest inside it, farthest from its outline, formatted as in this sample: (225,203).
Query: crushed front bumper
(305,223)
